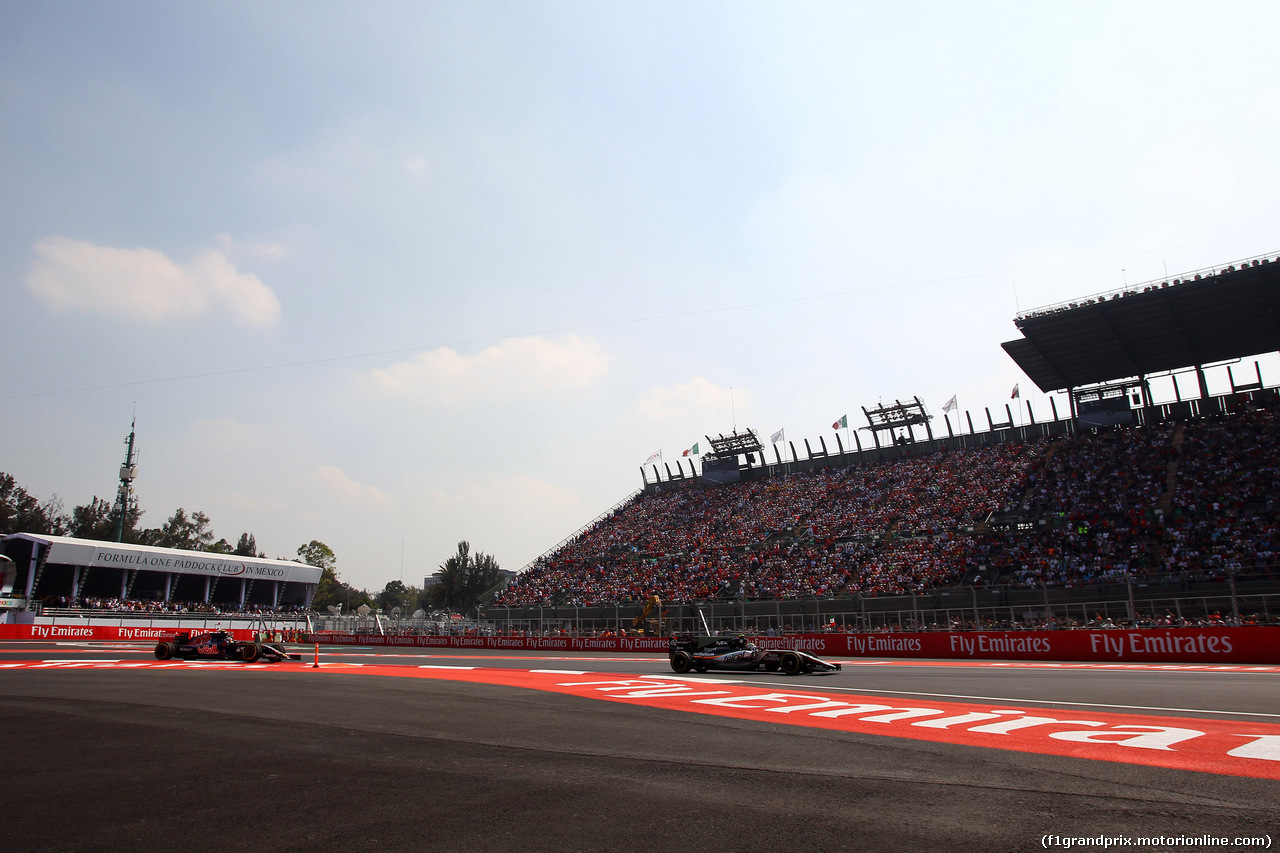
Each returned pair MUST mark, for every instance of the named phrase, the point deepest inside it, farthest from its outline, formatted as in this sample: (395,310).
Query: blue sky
(395,275)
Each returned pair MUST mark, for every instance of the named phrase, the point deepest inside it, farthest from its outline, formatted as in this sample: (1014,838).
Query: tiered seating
(1093,509)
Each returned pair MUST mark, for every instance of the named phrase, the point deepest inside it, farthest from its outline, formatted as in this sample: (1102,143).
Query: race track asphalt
(192,761)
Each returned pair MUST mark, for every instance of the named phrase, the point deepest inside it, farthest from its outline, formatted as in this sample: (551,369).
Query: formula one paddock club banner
(1182,645)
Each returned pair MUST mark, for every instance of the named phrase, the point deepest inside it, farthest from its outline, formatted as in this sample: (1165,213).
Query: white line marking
(82,660)
(432,666)
(561,671)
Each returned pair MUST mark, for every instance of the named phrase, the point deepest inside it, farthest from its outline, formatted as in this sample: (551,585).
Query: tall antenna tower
(125,501)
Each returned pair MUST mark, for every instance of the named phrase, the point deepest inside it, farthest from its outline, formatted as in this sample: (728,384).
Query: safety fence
(1213,646)
(960,608)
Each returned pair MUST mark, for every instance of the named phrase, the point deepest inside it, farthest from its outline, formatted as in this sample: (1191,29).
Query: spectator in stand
(1083,510)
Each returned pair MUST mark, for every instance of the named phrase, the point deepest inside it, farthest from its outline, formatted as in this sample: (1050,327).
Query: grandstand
(1177,498)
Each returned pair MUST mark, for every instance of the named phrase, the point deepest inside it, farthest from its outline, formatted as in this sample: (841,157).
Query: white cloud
(697,400)
(336,485)
(145,285)
(513,369)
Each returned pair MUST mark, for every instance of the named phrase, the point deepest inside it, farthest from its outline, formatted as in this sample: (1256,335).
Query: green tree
(97,520)
(22,512)
(328,591)
(463,578)
(396,594)
(247,546)
(181,531)
(316,553)
(331,590)
(222,546)
(392,595)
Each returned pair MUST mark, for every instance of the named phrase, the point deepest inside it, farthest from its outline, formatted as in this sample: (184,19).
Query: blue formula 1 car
(735,653)
(220,645)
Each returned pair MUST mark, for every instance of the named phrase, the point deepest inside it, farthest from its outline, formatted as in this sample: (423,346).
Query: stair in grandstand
(487,598)
(584,528)
(1164,507)
(1171,471)
(35,582)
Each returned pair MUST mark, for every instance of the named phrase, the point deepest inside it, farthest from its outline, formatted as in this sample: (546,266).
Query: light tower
(125,501)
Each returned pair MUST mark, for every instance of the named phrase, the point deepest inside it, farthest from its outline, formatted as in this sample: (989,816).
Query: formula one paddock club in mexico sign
(57,567)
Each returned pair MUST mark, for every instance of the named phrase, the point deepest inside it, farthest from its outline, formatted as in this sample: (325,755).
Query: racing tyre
(790,664)
(681,662)
(250,652)
(164,651)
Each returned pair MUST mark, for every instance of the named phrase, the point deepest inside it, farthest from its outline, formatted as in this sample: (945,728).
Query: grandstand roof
(66,550)
(1215,316)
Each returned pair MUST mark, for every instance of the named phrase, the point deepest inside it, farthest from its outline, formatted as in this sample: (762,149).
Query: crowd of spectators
(1199,500)
(134,605)
(1226,506)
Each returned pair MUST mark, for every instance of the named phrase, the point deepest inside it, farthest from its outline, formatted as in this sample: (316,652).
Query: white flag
(780,435)
(950,406)
(654,457)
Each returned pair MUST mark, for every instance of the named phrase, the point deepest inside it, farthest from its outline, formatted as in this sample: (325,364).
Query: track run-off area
(600,751)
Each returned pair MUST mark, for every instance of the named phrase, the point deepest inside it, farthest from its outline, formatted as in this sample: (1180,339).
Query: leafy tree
(222,546)
(94,520)
(396,594)
(21,512)
(59,521)
(463,578)
(331,589)
(316,553)
(99,519)
(247,546)
(328,591)
(182,531)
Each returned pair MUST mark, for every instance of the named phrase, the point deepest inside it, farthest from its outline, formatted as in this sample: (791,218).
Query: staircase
(1171,471)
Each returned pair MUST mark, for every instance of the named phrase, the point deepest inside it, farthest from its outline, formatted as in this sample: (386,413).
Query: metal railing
(1133,289)
(958,608)
(194,621)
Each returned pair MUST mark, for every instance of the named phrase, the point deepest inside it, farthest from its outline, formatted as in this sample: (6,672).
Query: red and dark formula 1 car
(219,645)
(735,653)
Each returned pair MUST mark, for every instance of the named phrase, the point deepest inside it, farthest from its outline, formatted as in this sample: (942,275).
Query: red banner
(103,632)
(1258,645)
(527,644)
(1251,645)
(1146,645)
